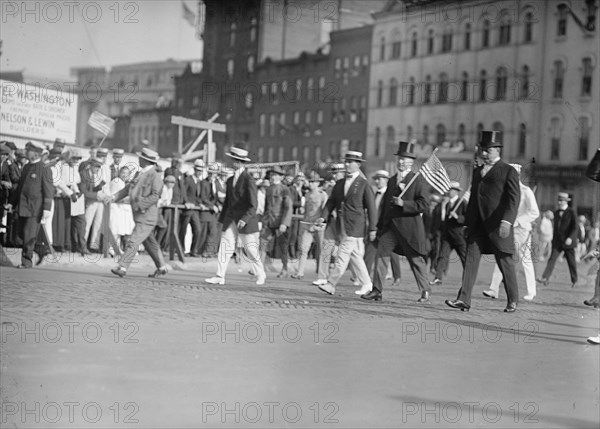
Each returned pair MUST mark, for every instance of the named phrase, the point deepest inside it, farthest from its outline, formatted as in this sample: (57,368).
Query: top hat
(101,152)
(489,139)
(276,170)
(148,154)
(35,146)
(118,152)
(593,170)
(563,196)
(199,164)
(455,185)
(238,153)
(406,150)
(353,155)
(381,173)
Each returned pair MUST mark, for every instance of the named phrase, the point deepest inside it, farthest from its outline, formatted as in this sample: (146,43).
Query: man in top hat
(527,213)
(381,178)
(452,231)
(239,219)
(117,155)
(350,198)
(563,240)
(33,201)
(143,191)
(491,214)
(192,199)
(276,219)
(400,227)
(309,232)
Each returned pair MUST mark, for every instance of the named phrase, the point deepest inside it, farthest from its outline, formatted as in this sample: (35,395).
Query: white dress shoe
(320,282)
(261,280)
(490,294)
(215,280)
(529,297)
(594,340)
(364,290)
(328,288)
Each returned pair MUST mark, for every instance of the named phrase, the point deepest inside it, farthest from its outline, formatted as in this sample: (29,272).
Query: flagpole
(102,141)
(416,175)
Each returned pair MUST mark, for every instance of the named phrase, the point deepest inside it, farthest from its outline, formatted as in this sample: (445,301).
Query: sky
(47,38)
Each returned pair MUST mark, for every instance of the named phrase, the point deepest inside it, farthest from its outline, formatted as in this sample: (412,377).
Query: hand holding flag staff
(102,123)
(434,173)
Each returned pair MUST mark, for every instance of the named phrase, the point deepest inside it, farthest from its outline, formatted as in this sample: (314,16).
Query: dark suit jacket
(240,204)
(406,220)
(179,188)
(351,207)
(35,191)
(192,192)
(565,226)
(209,199)
(455,227)
(494,198)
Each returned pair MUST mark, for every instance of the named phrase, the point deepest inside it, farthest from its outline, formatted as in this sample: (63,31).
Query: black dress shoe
(457,303)
(159,272)
(424,297)
(374,295)
(118,272)
(511,307)
(592,302)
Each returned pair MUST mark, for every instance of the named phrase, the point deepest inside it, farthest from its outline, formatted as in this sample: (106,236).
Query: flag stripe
(101,122)
(434,172)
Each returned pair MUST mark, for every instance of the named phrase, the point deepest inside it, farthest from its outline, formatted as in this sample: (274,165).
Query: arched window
(249,101)
(525,82)
(482,85)
(253,25)
(409,133)
(232,30)
(559,76)
(430,41)
(396,45)
(393,92)
(522,139)
(461,133)
(377,141)
(561,24)
(586,78)
(501,82)
(230,68)
(497,126)
(447,41)
(272,124)
(485,37)
(584,138)
(310,88)
(390,138)
(505,28)
(382,49)
(425,134)
(464,89)
(414,43)
(528,30)
(467,36)
(427,95)
(411,91)
(555,134)
(443,96)
(440,131)
(379,93)
(251,62)
(282,124)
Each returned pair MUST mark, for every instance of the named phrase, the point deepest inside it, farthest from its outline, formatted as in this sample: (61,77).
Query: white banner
(37,112)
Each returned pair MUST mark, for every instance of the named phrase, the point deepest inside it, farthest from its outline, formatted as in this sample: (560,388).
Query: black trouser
(78,243)
(569,256)
(190,217)
(29,229)
(451,240)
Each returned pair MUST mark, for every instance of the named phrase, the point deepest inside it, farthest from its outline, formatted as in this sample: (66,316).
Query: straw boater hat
(238,153)
(148,154)
(199,164)
(381,173)
(101,152)
(276,170)
(355,156)
(563,196)
(488,139)
(214,167)
(336,167)
(406,150)
(118,153)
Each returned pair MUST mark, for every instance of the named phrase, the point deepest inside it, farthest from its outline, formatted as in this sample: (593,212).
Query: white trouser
(93,223)
(249,242)
(523,249)
(351,251)
(48,224)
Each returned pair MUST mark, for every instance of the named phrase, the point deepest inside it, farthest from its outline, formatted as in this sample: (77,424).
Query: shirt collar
(382,190)
(353,176)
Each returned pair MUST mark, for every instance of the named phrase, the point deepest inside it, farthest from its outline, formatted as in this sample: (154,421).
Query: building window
(281,154)
(505,28)
(263,124)
(230,68)
(447,41)
(307,117)
(414,43)
(272,124)
(310,88)
(318,153)
(467,36)
(561,25)
(353,109)
(524,83)
(555,132)
(396,47)
(377,141)
(342,117)
(501,79)
(270,154)
(379,93)
(362,112)
(338,64)
(497,126)
(251,62)
(479,130)
(232,30)
(485,42)
(253,25)
(528,36)
(425,134)
(282,127)
(464,96)
(249,100)
(346,63)
(584,138)
(586,80)
(427,95)
(409,133)
(482,85)
(430,41)
(393,91)
(298,89)
(443,96)
(522,139)
(410,90)
(559,75)
(382,49)
(440,132)
(356,63)
(319,117)
(461,133)
(296,118)
(390,139)
(365,61)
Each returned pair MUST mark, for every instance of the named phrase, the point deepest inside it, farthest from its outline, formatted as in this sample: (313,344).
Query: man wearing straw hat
(239,219)
(453,210)
(563,240)
(350,198)
(491,213)
(144,192)
(401,228)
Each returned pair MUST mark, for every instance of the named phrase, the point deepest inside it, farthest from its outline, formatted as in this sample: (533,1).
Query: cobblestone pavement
(83,348)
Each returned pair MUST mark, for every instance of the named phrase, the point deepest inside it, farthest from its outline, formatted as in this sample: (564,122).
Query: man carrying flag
(400,227)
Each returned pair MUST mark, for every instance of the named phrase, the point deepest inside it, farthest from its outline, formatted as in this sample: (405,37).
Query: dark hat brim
(239,158)
(406,155)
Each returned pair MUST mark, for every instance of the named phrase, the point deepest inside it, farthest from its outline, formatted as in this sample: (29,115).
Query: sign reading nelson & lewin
(37,112)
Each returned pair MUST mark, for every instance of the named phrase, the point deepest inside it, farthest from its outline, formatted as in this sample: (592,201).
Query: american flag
(101,122)
(434,172)
(188,15)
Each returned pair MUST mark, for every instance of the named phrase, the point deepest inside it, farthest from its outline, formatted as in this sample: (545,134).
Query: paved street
(82,348)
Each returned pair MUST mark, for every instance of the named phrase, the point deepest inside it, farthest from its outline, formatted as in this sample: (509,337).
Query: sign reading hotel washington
(37,112)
